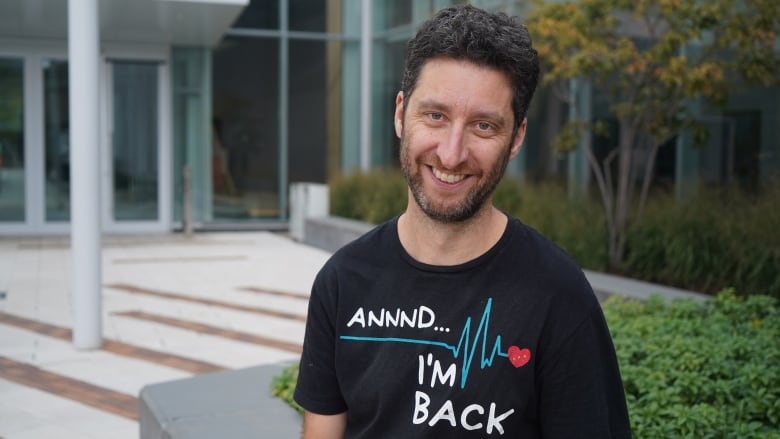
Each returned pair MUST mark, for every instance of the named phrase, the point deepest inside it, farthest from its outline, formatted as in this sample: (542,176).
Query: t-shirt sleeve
(317,389)
(581,392)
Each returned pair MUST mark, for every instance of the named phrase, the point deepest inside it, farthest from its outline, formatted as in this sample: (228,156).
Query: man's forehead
(438,69)
(448,81)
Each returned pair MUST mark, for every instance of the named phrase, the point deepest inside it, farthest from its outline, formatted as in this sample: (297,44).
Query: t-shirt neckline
(468,265)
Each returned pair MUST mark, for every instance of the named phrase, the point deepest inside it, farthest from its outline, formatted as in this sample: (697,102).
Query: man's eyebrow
(432,104)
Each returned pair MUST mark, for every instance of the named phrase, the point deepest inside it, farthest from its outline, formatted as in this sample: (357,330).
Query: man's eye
(436,116)
(484,126)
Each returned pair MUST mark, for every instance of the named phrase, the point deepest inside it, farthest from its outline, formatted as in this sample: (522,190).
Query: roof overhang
(177,22)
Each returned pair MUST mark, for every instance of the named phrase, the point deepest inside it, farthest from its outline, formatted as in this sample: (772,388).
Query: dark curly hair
(487,39)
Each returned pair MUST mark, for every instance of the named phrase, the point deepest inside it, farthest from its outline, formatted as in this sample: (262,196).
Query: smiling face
(456,137)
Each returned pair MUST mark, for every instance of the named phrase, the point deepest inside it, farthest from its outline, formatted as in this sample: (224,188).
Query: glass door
(56,120)
(134,136)
(12,161)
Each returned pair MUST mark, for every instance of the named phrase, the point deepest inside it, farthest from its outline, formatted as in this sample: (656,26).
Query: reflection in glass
(307,115)
(259,14)
(135,141)
(56,135)
(394,13)
(11,140)
(385,151)
(308,15)
(245,144)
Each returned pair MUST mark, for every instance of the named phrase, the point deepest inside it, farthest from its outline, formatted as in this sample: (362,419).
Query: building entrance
(35,145)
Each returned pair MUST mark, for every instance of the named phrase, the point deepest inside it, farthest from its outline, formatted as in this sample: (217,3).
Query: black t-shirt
(512,344)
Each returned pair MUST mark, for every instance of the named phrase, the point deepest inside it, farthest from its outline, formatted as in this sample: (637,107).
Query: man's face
(456,137)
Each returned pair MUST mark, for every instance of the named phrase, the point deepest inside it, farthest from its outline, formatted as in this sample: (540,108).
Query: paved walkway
(173,306)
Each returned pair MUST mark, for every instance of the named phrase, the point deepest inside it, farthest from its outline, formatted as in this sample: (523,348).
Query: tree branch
(604,190)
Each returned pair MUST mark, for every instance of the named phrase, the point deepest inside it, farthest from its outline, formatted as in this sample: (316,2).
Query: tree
(650,59)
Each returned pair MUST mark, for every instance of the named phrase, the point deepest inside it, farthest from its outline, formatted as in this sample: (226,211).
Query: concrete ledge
(330,233)
(608,284)
(234,404)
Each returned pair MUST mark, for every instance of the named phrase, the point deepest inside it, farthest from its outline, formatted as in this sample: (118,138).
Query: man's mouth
(447,178)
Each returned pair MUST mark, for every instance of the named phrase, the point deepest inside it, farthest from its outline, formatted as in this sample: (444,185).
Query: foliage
(11,97)
(378,196)
(577,227)
(719,239)
(704,369)
(373,197)
(649,59)
(699,369)
(283,386)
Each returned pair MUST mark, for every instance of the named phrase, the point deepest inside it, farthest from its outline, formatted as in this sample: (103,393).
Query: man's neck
(436,243)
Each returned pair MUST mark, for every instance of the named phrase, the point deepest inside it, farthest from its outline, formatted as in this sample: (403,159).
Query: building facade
(227,102)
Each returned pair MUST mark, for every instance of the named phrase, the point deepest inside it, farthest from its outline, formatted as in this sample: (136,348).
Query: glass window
(245,146)
(309,98)
(394,13)
(135,141)
(385,151)
(309,15)
(191,130)
(11,140)
(56,135)
(259,14)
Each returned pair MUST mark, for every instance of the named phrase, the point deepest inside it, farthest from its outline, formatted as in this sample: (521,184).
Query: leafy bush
(378,196)
(718,240)
(372,197)
(283,386)
(706,369)
(690,369)
(577,227)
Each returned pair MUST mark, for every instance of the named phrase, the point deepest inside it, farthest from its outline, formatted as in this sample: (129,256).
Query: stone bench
(234,404)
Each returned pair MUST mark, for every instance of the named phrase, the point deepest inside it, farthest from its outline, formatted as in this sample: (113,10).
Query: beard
(464,209)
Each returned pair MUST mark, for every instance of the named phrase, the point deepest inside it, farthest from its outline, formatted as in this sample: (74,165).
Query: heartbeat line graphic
(466,347)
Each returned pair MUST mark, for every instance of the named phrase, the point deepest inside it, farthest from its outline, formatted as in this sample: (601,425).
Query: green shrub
(374,197)
(717,240)
(690,369)
(577,227)
(283,386)
(580,229)
(706,369)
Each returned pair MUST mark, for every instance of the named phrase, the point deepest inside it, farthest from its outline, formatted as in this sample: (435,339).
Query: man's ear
(517,142)
(398,117)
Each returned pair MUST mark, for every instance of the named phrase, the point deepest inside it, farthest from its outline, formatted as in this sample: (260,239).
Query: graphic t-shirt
(510,344)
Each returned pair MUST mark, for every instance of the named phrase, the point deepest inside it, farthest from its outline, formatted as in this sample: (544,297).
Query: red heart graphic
(519,357)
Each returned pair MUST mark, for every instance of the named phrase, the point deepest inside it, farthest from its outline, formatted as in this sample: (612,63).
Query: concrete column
(366,42)
(83,69)
(284,104)
(350,95)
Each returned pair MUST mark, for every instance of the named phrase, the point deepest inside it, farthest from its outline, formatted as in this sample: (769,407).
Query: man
(454,320)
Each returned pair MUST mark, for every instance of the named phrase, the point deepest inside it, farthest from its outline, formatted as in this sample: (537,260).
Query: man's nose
(452,150)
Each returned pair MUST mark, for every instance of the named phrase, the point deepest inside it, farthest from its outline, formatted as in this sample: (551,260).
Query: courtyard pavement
(173,307)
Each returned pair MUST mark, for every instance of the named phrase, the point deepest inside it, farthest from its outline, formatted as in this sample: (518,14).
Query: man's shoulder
(372,245)
(380,236)
(364,257)
(542,248)
(547,261)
